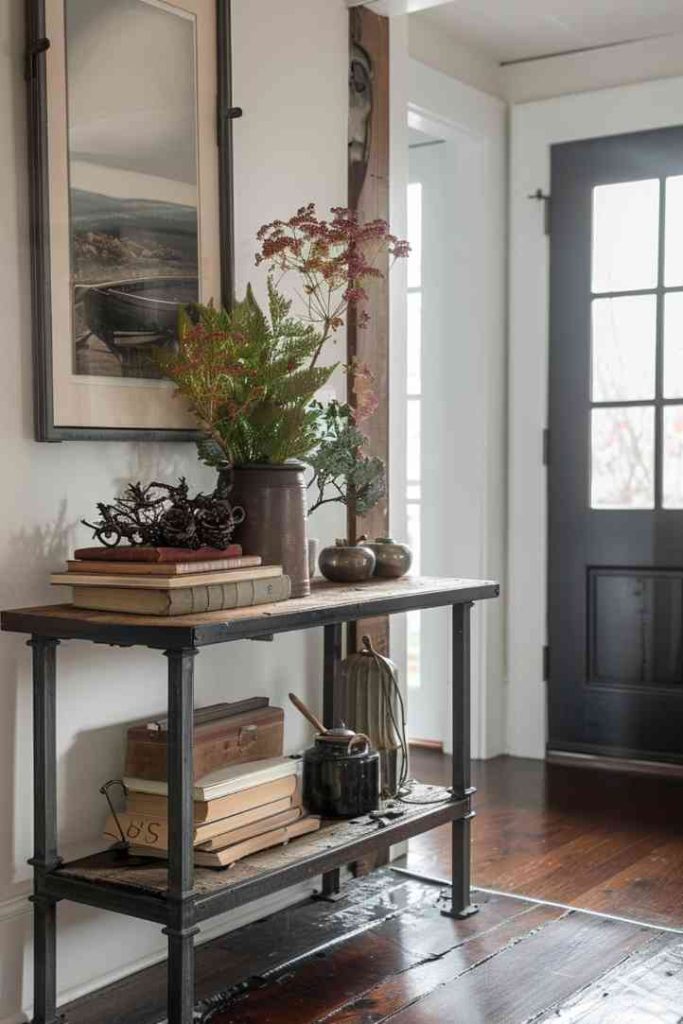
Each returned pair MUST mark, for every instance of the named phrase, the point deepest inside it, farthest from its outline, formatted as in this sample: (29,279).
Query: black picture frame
(37,45)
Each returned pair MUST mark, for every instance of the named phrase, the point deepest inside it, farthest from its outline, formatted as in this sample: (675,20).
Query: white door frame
(535,127)
(476,477)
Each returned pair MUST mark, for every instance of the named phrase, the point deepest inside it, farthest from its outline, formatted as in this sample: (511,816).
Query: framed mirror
(130,152)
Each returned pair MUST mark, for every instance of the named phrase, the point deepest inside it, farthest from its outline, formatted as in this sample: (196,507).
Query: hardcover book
(162,568)
(184,601)
(204,579)
(233,779)
(223,807)
(140,553)
(152,830)
(228,855)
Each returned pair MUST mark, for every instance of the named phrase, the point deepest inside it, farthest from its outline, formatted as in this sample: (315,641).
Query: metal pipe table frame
(181,909)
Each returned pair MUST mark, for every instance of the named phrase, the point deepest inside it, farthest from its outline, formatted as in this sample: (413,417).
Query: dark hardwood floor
(599,840)
(384,952)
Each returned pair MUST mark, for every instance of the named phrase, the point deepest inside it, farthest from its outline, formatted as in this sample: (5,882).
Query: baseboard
(436,745)
(222,925)
(15,906)
(604,762)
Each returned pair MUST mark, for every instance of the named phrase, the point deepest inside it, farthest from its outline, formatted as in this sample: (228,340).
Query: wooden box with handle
(224,734)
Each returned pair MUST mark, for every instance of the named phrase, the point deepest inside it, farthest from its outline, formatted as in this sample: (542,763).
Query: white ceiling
(515,29)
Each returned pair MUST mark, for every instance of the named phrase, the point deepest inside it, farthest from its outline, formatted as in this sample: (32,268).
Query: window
(414,415)
(636,388)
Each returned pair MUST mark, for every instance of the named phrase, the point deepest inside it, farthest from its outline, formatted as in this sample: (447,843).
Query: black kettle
(341,772)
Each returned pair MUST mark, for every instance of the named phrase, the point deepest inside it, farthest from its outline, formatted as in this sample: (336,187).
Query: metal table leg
(181,927)
(461,840)
(332,656)
(45,857)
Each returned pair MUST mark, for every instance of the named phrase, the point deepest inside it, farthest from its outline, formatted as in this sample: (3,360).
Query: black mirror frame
(39,224)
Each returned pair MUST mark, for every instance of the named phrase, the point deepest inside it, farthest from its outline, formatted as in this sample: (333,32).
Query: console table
(176,895)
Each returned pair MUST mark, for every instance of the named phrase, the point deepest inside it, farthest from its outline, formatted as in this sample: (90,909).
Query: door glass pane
(413,437)
(625,236)
(414,619)
(673,235)
(414,354)
(622,457)
(415,234)
(673,345)
(624,348)
(672,457)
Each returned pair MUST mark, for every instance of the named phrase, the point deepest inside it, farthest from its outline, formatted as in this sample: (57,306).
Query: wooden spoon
(307,713)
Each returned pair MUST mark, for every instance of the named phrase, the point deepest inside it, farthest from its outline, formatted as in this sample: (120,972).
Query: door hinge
(33,51)
(546,446)
(546,663)
(542,197)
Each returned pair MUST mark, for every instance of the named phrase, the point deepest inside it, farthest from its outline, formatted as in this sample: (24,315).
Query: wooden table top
(328,603)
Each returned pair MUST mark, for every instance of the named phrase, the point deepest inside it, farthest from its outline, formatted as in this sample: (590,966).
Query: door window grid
(637,345)
(414,417)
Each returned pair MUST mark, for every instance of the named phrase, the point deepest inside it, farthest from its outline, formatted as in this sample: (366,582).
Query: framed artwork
(130,170)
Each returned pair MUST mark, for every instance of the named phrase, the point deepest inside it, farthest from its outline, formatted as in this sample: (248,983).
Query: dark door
(615,452)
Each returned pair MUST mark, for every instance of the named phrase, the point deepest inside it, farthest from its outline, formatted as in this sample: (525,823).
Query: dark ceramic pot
(392,559)
(274,500)
(346,563)
(341,777)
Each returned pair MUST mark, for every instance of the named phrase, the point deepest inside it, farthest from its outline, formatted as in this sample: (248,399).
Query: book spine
(215,597)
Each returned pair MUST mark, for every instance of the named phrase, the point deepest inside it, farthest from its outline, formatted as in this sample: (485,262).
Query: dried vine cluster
(164,515)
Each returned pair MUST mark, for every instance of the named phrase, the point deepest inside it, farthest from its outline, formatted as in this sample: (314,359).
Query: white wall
(534,128)
(471,396)
(291,78)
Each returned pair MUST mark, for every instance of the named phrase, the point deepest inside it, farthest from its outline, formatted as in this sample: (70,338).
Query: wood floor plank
(256,949)
(648,890)
(586,837)
(647,988)
(530,977)
(395,992)
(322,987)
(574,869)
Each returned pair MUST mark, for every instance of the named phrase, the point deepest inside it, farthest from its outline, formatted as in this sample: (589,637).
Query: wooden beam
(369,195)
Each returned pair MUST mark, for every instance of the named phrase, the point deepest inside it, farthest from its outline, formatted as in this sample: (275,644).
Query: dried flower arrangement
(250,377)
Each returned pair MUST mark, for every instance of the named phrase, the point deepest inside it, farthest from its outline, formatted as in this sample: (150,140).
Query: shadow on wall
(32,554)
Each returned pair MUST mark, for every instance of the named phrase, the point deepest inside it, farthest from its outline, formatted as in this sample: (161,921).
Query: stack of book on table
(238,811)
(170,581)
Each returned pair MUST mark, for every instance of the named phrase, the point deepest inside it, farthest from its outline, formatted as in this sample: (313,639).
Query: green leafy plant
(249,378)
(342,472)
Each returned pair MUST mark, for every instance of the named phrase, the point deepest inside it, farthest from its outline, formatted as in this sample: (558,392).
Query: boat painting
(134,262)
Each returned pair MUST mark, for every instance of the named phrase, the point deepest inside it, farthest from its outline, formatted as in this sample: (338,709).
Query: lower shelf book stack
(240,808)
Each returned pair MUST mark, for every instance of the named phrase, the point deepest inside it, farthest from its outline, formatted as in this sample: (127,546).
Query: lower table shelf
(137,886)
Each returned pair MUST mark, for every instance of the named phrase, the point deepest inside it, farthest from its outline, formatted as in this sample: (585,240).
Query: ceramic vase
(274,500)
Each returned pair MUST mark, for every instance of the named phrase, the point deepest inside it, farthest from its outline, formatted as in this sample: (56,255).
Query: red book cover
(131,553)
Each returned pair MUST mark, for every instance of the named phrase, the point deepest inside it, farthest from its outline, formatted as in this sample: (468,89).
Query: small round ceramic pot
(391,558)
(347,563)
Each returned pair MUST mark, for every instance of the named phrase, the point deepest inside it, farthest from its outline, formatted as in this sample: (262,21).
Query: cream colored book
(145,582)
(257,828)
(237,851)
(249,805)
(194,600)
(231,779)
(152,830)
